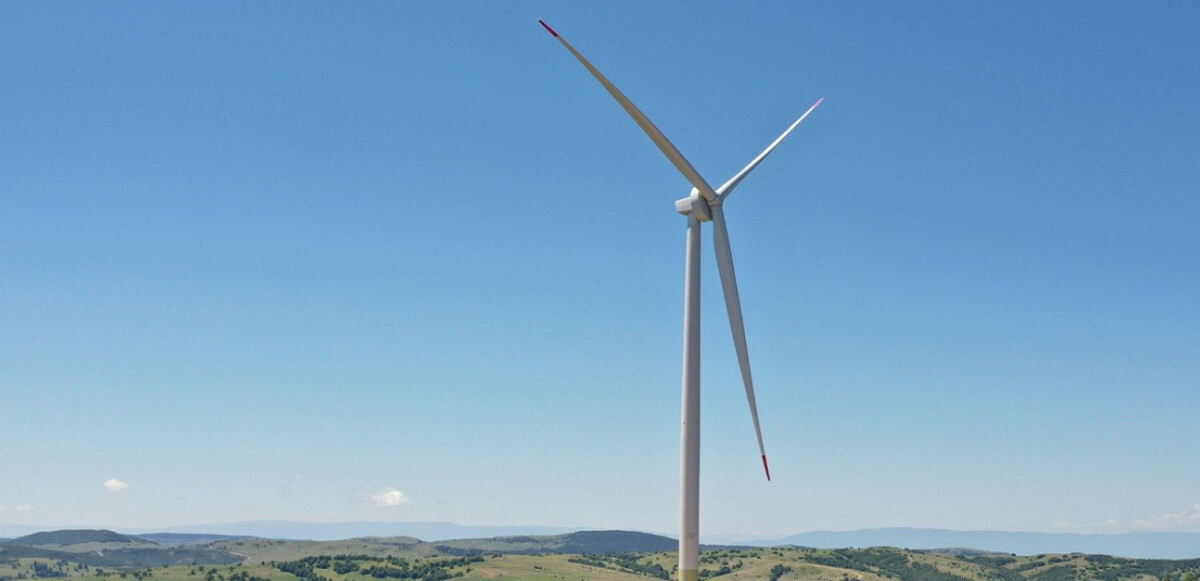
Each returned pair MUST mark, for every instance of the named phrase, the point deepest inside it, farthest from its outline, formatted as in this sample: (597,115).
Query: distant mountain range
(1133,545)
(312,531)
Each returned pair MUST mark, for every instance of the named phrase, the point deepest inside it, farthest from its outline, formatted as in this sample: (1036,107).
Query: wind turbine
(703,205)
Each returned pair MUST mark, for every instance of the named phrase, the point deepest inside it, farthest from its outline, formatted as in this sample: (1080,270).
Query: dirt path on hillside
(856,574)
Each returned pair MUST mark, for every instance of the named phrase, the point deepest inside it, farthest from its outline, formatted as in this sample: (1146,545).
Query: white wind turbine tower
(702,205)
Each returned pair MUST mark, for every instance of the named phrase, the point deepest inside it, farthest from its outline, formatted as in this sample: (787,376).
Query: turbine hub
(694,204)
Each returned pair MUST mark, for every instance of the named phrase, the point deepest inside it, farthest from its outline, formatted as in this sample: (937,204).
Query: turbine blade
(681,163)
(727,187)
(733,306)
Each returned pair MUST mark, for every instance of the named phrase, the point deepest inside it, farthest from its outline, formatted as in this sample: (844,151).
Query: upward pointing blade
(681,163)
(733,305)
(728,186)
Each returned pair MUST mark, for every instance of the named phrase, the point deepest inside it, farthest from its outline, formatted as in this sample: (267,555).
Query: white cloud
(23,508)
(1186,519)
(116,485)
(390,497)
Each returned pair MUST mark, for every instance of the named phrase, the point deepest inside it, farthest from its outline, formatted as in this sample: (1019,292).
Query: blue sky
(408,261)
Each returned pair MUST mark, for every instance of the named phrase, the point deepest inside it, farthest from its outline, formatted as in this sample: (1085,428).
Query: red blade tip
(547,27)
(765,467)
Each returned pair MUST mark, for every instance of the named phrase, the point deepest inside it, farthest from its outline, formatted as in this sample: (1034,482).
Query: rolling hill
(256,550)
(82,541)
(72,537)
(1141,545)
(1160,545)
(588,555)
(186,539)
(105,548)
(302,530)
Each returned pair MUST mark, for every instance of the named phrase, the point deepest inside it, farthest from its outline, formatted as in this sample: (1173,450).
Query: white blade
(727,188)
(733,306)
(655,135)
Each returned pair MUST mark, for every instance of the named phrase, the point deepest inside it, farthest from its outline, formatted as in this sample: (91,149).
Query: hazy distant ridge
(301,530)
(1132,545)
(1140,545)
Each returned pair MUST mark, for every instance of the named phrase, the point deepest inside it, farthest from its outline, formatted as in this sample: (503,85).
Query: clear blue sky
(296,260)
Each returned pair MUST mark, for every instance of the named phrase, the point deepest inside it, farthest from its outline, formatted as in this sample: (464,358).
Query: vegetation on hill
(615,542)
(574,556)
(124,558)
(316,568)
(72,537)
(634,563)
(185,539)
(82,541)
(583,542)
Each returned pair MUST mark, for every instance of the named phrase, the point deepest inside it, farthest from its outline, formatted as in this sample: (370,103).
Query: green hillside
(82,541)
(74,537)
(121,558)
(585,542)
(184,539)
(599,555)
(615,542)
(266,550)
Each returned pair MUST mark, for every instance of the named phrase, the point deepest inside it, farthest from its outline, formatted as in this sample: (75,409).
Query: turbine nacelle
(694,205)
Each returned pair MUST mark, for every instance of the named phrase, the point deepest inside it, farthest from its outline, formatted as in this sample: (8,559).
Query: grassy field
(267,550)
(745,564)
(399,558)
